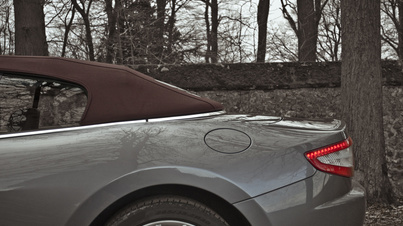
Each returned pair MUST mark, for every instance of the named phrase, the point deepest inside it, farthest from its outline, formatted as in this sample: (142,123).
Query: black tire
(166,211)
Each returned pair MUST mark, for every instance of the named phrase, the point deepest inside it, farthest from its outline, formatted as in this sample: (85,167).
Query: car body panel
(322,199)
(113,161)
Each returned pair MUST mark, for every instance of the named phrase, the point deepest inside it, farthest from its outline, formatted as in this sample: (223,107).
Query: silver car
(86,143)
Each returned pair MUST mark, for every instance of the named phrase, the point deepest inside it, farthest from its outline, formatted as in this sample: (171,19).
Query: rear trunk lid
(277,147)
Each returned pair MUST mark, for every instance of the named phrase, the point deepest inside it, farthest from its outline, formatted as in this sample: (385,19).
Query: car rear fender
(143,179)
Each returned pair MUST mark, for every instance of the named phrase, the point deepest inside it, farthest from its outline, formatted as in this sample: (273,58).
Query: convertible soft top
(115,93)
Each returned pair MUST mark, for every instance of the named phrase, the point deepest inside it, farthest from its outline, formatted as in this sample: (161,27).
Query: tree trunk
(171,25)
(86,18)
(400,30)
(214,31)
(67,30)
(262,16)
(207,57)
(361,88)
(307,30)
(160,24)
(111,28)
(30,38)
(88,37)
(120,28)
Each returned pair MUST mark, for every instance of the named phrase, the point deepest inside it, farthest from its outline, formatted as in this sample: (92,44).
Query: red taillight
(336,158)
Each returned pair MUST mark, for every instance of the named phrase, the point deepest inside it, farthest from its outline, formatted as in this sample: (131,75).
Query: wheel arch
(227,211)
(201,185)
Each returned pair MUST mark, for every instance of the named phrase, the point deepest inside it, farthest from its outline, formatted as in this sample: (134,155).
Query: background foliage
(198,31)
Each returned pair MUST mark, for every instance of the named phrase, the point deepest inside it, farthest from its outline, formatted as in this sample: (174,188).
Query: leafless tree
(306,25)
(211,30)
(84,9)
(262,16)
(6,28)
(61,19)
(392,26)
(281,45)
(160,25)
(329,36)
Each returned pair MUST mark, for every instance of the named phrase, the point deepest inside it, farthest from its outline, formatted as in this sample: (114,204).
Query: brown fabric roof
(115,93)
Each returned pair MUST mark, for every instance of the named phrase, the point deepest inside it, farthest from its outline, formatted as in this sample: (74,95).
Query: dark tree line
(180,31)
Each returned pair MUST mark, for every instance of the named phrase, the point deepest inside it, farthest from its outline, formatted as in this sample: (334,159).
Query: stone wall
(292,90)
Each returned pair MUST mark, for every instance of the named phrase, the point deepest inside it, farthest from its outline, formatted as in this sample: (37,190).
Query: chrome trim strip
(77,128)
(209,114)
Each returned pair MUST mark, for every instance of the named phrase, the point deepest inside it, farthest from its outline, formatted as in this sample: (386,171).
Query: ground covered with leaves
(383,214)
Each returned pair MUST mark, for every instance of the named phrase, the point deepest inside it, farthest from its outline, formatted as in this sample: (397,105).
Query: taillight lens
(336,158)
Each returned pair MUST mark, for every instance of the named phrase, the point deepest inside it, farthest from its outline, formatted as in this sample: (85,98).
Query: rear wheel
(166,211)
